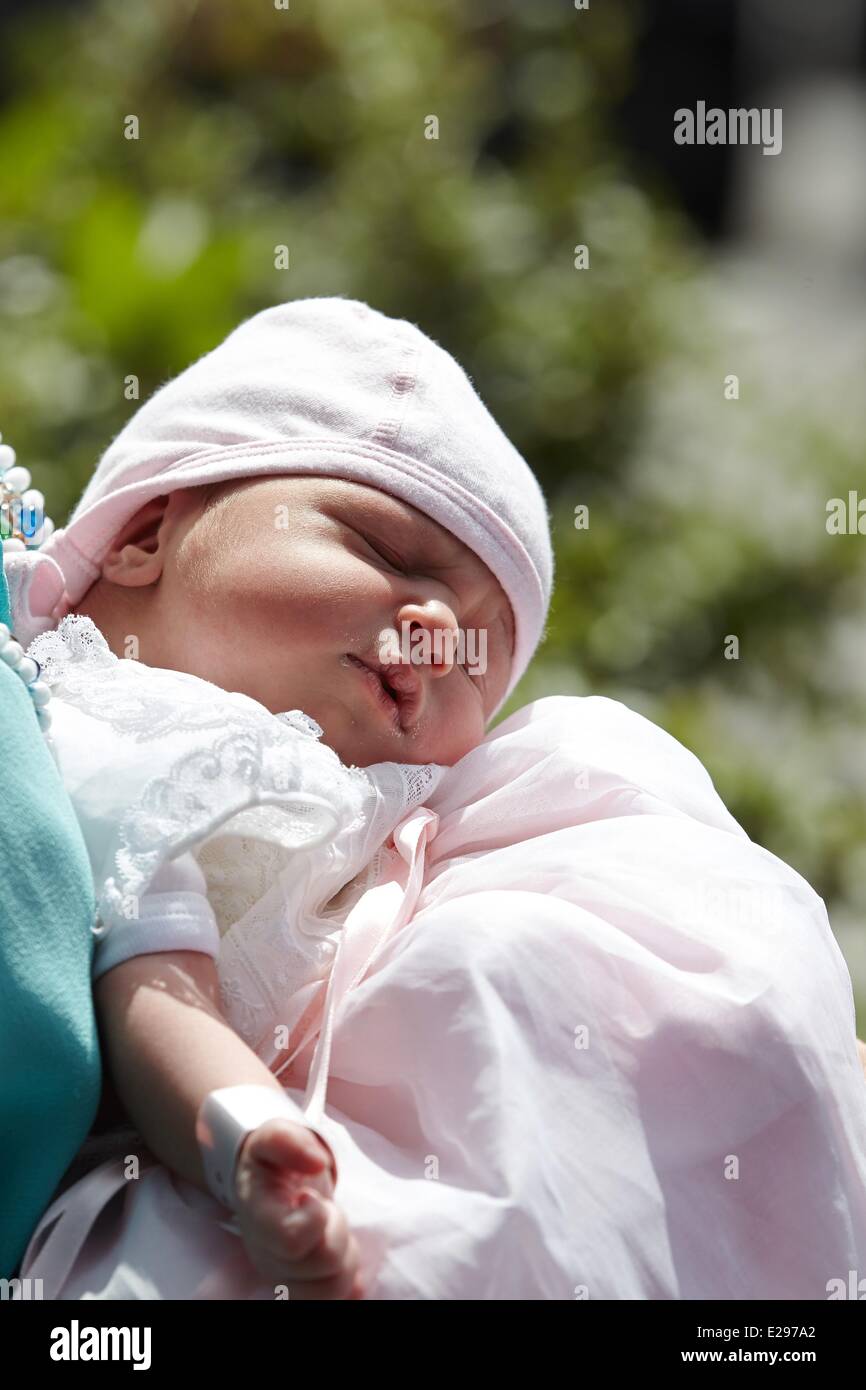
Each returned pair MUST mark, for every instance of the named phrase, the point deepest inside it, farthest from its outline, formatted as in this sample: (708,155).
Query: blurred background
(261,125)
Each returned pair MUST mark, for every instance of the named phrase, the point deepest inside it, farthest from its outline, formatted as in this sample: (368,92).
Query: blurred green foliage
(260,126)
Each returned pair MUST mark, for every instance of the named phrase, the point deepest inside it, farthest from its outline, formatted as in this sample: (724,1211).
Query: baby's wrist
(225,1120)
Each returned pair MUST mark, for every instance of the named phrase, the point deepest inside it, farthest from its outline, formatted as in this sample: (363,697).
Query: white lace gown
(572,1035)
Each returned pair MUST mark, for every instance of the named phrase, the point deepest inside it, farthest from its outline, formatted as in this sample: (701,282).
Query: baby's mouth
(398,684)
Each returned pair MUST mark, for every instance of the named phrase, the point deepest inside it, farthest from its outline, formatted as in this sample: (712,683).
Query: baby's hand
(294,1232)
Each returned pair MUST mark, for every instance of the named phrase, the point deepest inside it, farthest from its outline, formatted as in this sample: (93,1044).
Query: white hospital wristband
(225,1118)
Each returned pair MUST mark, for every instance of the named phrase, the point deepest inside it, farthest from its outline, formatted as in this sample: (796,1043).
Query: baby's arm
(166,1046)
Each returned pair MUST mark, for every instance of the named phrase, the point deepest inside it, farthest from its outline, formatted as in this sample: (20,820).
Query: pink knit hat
(315,386)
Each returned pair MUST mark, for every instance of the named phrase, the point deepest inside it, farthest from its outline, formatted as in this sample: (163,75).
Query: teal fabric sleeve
(4,593)
(50,1070)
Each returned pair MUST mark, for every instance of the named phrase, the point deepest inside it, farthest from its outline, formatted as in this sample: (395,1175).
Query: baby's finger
(345,1284)
(281,1144)
(311,1241)
(338,1284)
(272,1167)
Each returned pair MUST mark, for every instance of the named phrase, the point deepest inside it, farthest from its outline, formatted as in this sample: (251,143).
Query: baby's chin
(402,754)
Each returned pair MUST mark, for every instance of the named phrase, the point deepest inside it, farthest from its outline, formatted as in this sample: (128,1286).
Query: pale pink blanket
(610,1055)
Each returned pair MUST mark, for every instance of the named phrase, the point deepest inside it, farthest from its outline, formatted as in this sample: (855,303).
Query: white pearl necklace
(29,670)
(16,497)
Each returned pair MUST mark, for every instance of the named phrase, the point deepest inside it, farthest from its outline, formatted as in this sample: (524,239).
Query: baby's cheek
(445,737)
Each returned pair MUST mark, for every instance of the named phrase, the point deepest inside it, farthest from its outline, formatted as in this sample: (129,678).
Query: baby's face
(282,587)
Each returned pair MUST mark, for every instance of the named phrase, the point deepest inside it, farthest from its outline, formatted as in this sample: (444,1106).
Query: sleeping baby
(580,1036)
(301,582)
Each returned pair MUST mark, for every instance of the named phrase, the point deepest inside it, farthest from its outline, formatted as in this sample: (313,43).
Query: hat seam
(403,384)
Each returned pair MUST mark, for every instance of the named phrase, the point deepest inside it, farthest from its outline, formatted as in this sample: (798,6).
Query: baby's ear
(137,553)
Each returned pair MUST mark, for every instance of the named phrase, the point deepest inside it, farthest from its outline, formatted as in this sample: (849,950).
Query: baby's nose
(427,635)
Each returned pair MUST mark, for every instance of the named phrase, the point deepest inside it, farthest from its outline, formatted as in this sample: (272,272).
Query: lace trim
(296,719)
(202,792)
(418,780)
(76,639)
